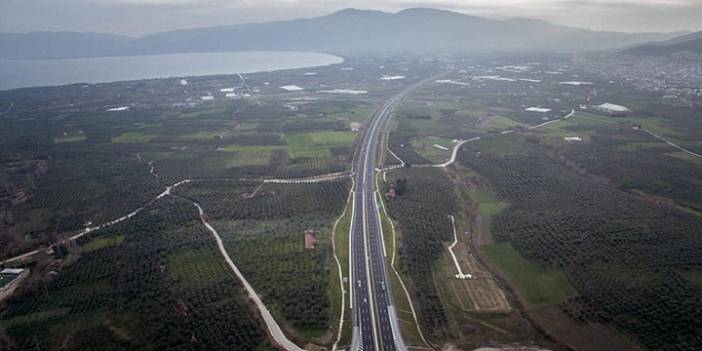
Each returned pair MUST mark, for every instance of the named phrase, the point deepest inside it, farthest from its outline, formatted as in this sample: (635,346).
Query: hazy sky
(137,17)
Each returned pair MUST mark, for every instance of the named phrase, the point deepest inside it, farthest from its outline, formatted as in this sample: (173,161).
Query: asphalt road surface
(375,324)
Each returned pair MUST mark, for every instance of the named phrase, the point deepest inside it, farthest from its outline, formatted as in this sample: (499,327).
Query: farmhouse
(310,239)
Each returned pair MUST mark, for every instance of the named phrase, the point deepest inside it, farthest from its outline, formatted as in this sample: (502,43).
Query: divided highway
(375,323)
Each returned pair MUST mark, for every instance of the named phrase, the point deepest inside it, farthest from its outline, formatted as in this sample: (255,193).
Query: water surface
(33,73)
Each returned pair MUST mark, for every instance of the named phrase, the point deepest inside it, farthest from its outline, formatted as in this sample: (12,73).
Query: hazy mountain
(357,31)
(46,45)
(416,30)
(689,43)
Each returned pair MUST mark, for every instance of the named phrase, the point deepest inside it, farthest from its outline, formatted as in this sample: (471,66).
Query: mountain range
(350,31)
(689,43)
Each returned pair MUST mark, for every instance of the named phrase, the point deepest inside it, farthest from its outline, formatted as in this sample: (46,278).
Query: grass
(245,155)
(425,147)
(299,145)
(584,122)
(488,204)
(133,137)
(359,114)
(538,286)
(341,243)
(316,144)
(408,326)
(499,123)
(427,125)
(99,243)
(502,145)
(656,125)
(584,119)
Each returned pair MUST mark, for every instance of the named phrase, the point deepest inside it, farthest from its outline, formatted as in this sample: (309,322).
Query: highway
(375,323)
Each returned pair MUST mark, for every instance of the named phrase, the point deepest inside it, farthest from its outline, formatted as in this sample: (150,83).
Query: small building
(310,239)
(10,279)
(613,109)
(15,271)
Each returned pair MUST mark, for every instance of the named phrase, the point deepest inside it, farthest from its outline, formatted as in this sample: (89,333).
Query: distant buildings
(672,76)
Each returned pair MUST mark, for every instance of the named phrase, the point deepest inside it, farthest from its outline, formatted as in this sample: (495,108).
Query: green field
(510,144)
(499,123)
(99,243)
(539,287)
(359,114)
(488,204)
(425,147)
(341,242)
(317,144)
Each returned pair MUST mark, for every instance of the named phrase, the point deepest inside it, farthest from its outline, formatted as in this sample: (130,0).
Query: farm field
(603,247)
(157,280)
(540,287)
(119,166)
(569,214)
(264,231)
(569,221)
(67,150)
(470,312)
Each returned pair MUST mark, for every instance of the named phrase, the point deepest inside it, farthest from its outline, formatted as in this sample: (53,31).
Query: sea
(38,73)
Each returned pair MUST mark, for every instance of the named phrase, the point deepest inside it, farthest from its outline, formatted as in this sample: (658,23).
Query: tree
(400,185)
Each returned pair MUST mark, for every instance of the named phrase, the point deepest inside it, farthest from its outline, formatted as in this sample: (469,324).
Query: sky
(139,17)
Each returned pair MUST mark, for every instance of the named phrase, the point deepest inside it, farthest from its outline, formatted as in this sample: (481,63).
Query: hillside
(690,43)
(348,31)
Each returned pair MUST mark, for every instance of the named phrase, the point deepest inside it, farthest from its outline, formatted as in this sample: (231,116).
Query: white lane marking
(338,265)
(460,274)
(380,224)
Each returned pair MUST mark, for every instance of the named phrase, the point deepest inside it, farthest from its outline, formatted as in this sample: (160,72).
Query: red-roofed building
(310,239)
